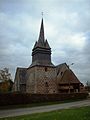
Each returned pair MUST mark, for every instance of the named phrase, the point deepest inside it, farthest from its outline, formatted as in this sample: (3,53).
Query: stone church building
(42,76)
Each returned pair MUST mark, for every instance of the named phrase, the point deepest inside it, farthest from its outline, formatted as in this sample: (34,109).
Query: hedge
(25,98)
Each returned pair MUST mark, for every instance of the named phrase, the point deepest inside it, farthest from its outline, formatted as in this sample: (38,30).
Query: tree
(87,83)
(5,75)
(5,80)
(88,86)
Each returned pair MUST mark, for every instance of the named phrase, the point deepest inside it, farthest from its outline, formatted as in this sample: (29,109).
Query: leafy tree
(5,80)
(5,75)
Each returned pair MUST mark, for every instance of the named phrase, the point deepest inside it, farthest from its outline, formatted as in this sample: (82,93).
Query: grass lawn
(82,113)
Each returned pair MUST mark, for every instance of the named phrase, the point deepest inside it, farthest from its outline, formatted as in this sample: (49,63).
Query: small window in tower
(46,84)
(45,69)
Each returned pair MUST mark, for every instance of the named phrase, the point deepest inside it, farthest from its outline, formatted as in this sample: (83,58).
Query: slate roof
(59,67)
(68,77)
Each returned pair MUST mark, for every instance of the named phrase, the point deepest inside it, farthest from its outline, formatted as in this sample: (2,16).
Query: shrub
(25,98)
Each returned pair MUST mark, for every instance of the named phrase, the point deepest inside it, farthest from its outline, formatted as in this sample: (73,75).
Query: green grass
(36,104)
(82,113)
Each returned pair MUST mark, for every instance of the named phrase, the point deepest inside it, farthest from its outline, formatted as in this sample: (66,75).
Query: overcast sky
(67,29)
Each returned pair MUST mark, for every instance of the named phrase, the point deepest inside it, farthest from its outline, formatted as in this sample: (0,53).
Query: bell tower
(41,52)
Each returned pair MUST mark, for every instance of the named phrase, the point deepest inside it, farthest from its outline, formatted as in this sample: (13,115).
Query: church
(42,76)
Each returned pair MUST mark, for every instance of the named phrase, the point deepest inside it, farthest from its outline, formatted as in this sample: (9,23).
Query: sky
(67,29)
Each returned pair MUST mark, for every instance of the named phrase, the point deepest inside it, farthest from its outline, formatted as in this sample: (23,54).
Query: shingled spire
(41,38)
(42,43)
(41,53)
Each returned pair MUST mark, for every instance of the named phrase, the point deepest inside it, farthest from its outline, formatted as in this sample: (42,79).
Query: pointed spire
(41,35)
(41,53)
(42,43)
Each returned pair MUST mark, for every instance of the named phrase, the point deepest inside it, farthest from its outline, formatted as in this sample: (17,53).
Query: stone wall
(30,84)
(42,80)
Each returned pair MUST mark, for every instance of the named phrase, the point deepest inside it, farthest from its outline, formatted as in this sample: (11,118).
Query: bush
(25,98)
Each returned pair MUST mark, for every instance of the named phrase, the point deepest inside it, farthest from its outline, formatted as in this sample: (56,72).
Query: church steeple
(41,35)
(41,53)
(42,43)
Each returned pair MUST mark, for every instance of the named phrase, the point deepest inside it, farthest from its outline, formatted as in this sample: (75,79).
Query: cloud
(79,56)
(66,28)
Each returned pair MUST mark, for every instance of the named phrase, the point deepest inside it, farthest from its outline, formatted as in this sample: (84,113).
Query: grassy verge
(35,104)
(82,113)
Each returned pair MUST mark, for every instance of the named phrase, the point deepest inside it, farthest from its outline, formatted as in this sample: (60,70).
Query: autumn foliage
(5,81)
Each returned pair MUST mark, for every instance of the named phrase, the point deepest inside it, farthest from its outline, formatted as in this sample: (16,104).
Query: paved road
(24,111)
